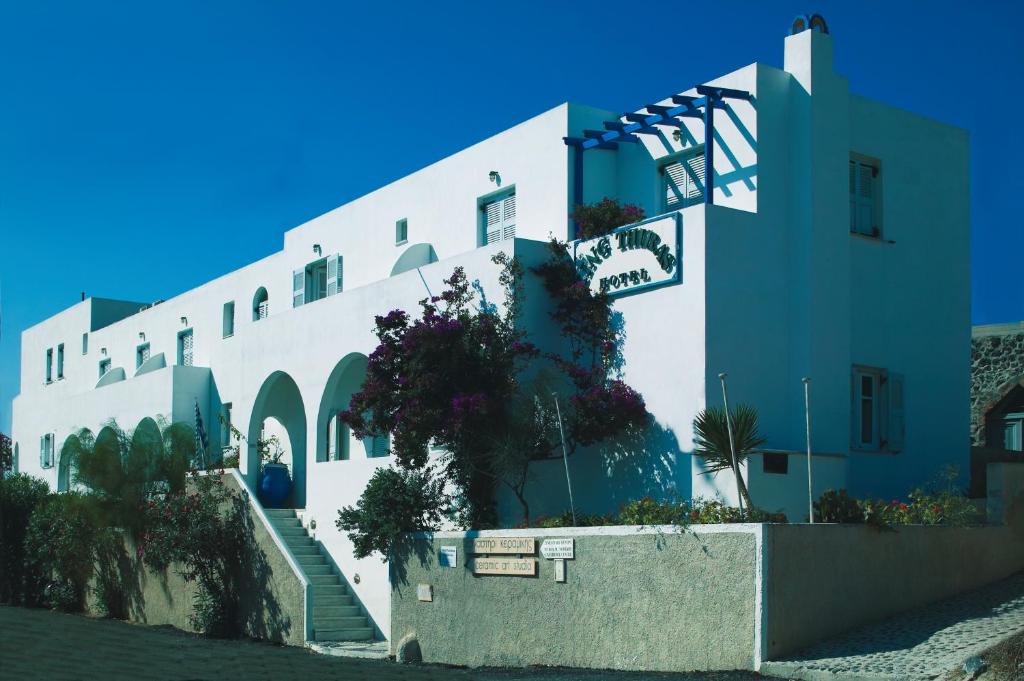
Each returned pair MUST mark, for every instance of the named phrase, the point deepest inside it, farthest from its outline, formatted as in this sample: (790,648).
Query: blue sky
(146,148)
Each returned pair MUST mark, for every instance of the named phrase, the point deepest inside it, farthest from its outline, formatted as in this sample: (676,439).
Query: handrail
(283,547)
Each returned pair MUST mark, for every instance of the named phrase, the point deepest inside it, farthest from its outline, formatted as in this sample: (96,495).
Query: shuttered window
(46,451)
(334,272)
(298,287)
(49,365)
(60,361)
(864,198)
(104,366)
(380,445)
(141,355)
(499,220)
(877,412)
(185,348)
(683,182)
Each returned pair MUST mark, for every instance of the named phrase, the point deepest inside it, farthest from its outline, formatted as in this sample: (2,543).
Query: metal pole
(565,458)
(810,479)
(732,445)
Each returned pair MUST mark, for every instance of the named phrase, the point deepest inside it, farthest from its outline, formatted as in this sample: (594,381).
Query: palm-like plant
(711,437)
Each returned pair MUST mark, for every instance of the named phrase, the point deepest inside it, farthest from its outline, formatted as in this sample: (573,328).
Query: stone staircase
(336,617)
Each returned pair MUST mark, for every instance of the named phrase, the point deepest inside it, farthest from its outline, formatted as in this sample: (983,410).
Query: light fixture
(317,249)
(677,135)
(493,176)
(184,321)
(103,351)
(142,336)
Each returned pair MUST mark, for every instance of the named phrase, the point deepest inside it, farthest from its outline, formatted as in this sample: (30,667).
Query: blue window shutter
(298,287)
(897,418)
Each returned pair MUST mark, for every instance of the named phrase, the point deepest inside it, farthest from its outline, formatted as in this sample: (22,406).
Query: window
(877,410)
(60,361)
(401,231)
(225,428)
(775,462)
(141,354)
(46,451)
(85,343)
(1013,432)
(104,366)
(49,365)
(379,445)
(185,348)
(228,329)
(260,304)
(317,280)
(865,196)
(682,181)
(498,219)
(337,438)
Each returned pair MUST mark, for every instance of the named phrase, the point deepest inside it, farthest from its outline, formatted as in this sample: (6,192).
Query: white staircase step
(311,559)
(357,622)
(360,634)
(317,570)
(324,612)
(279,512)
(285,522)
(324,580)
(331,595)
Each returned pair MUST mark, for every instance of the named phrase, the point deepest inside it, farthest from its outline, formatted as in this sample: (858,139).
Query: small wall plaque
(448,556)
(523,567)
(496,545)
(559,569)
(425,592)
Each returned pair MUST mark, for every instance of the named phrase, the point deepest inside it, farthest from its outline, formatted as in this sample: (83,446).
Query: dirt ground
(39,644)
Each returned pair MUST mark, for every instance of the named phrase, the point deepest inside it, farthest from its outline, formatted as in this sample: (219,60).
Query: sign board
(559,570)
(425,593)
(632,258)
(524,567)
(557,548)
(495,545)
(448,556)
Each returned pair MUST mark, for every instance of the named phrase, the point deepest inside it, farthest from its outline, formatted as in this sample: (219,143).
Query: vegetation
(20,495)
(59,546)
(712,440)
(455,379)
(395,501)
(603,217)
(941,502)
(6,456)
(201,531)
(671,511)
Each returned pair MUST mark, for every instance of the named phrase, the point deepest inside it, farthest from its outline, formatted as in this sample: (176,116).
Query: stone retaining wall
(997,365)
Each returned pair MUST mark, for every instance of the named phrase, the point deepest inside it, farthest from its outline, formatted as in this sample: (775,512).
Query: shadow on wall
(648,464)
(124,588)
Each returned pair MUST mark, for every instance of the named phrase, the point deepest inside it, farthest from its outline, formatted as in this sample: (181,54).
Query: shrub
(564,519)
(838,507)
(394,502)
(59,544)
(203,531)
(647,511)
(20,495)
(604,216)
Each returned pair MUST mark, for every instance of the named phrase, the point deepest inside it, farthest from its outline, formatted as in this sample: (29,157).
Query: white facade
(778,282)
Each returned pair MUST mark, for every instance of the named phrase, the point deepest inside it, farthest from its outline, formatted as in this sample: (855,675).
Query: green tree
(711,436)
(20,495)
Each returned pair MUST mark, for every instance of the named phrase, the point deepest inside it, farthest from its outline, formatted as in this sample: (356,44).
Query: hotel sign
(632,258)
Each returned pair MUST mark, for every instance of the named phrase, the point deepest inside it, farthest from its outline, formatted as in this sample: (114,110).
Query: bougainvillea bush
(202,532)
(464,379)
(604,216)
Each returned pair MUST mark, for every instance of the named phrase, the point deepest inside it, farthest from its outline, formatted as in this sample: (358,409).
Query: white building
(834,244)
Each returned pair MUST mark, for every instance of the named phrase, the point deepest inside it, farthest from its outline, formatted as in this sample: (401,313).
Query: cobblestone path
(921,644)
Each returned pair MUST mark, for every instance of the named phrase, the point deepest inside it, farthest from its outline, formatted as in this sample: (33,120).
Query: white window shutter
(332,437)
(42,451)
(492,222)
(508,218)
(298,287)
(675,186)
(695,179)
(897,419)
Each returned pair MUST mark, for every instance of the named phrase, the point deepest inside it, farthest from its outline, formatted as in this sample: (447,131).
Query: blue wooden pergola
(703,107)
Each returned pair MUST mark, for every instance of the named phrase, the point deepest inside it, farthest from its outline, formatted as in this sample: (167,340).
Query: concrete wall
(272,598)
(634,598)
(822,580)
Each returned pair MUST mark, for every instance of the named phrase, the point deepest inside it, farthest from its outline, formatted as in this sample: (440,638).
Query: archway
(280,401)
(68,451)
(145,454)
(333,439)
(260,304)
(414,256)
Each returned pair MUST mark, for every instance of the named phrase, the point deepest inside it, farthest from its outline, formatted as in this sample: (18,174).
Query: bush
(20,495)
(837,507)
(204,532)
(394,502)
(564,519)
(604,216)
(672,511)
(59,544)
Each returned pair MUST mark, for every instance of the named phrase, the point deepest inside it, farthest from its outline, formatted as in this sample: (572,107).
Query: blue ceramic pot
(275,485)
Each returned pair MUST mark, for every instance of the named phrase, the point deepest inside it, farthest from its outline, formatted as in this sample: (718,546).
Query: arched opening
(1004,423)
(145,454)
(278,409)
(414,256)
(334,441)
(65,470)
(260,304)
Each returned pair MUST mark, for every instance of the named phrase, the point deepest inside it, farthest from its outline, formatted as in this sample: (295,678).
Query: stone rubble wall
(997,364)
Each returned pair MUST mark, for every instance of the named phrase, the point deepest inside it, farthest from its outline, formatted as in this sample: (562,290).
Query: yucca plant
(711,437)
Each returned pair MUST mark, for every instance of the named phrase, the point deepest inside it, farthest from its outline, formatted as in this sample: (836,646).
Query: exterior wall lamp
(184,321)
(103,351)
(142,335)
(677,135)
(317,249)
(493,176)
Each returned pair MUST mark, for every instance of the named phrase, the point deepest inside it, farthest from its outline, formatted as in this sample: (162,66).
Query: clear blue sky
(148,147)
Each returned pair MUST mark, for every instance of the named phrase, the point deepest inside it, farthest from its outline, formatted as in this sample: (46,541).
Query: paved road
(38,644)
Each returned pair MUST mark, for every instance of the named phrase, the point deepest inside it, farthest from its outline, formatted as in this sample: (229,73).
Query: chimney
(809,51)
